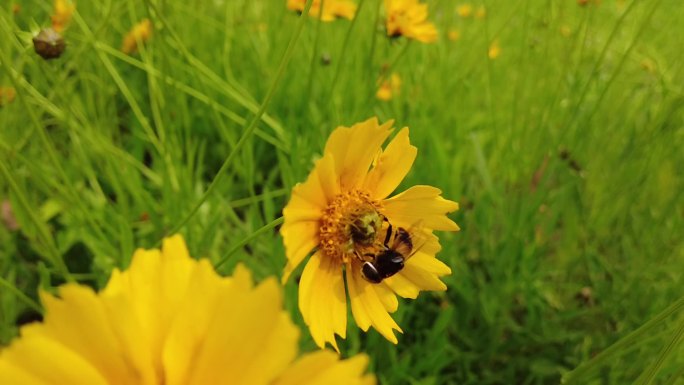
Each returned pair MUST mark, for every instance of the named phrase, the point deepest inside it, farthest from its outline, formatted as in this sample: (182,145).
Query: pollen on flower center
(350,224)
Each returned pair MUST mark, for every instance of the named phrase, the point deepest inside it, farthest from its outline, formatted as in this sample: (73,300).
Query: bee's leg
(388,234)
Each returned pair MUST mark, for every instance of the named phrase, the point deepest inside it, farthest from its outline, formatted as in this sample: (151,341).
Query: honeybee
(398,247)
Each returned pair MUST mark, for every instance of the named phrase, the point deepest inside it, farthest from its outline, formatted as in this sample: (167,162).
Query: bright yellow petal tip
(331,10)
(342,212)
(409,18)
(169,319)
(140,33)
(389,88)
(63,10)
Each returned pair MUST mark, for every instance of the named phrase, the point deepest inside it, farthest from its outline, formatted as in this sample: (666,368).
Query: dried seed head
(49,44)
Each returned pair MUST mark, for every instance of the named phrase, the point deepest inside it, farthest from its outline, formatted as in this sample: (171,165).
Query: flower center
(350,226)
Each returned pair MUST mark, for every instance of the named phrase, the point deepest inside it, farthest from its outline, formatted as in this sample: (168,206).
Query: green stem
(234,249)
(23,297)
(649,374)
(314,56)
(578,376)
(55,256)
(247,133)
(345,43)
(374,40)
(595,70)
(387,72)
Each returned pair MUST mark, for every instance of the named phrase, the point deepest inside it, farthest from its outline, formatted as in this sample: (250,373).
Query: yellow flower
(389,88)
(494,50)
(7,95)
(464,10)
(169,319)
(454,34)
(409,18)
(62,14)
(140,32)
(332,9)
(339,212)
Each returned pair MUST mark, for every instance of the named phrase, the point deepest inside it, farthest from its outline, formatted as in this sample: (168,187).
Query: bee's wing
(414,239)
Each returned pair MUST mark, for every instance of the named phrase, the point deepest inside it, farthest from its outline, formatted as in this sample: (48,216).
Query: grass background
(565,153)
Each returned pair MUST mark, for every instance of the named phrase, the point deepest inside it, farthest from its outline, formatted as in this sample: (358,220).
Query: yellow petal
(367,306)
(174,247)
(37,359)
(422,278)
(242,276)
(253,344)
(427,242)
(11,374)
(343,8)
(421,204)
(155,285)
(78,319)
(299,239)
(392,166)
(322,300)
(402,286)
(352,161)
(421,272)
(429,263)
(134,344)
(325,368)
(387,297)
(188,330)
(312,195)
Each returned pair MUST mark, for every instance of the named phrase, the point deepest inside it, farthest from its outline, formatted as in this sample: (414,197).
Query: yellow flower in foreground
(171,320)
(7,95)
(332,9)
(389,88)
(409,18)
(339,212)
(464,10)
(62,14)
(140,32)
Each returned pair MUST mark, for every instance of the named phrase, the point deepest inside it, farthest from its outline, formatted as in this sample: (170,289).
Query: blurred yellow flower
(454,34)
(331,10)
(389,88)
(494,50)
(140,32)
(481,12)
(343,214)
(61,17)
(464,10)
(409,18)
(170,320)
(7,95)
